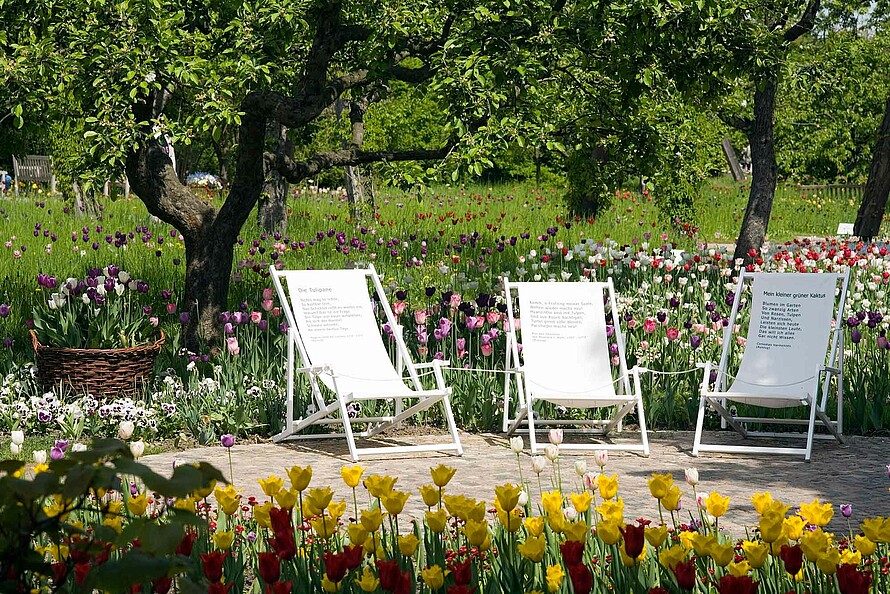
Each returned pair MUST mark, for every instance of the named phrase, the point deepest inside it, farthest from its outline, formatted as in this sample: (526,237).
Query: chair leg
(452,426)
(347,428)
(644,433)
(530,415)
(811,428)
(699,425)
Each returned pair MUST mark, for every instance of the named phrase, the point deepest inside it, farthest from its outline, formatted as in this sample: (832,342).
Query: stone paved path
(855,473)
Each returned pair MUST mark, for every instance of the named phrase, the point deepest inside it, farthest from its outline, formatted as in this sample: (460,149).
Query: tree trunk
(272,210)
(874,201)
(764,171)
(209,256)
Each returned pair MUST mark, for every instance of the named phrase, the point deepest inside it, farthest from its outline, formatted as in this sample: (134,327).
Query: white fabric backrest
(788,334)
(336,323)
(564,347)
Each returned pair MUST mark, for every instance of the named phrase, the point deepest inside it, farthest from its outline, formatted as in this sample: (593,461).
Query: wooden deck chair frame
(816,400)
(628,392)
(335,411)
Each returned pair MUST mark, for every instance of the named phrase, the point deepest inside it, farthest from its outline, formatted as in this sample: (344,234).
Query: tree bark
(359,191)
(877,188)
(764,171)
(272,210)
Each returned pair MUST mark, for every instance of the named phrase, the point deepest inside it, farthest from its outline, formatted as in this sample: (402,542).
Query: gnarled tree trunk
(764,171)
(272,209)
(874,201)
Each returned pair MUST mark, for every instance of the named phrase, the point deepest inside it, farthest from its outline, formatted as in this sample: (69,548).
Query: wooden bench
(34,168)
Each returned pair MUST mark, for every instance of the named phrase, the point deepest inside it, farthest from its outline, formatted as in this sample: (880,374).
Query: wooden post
(732,159)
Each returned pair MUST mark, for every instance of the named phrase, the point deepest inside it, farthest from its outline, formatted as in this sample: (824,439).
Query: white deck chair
(565,359)
(333,327)
(792,349)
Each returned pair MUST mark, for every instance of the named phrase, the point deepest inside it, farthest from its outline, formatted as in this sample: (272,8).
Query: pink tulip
(171,308)
(398,307)
(420,316)
(276,311)
(232,345)
(649,325)
(153,320)
(256,316)
(268,304)
(493,317)
(672,333)
(267,294)
(455,301)
(486,349)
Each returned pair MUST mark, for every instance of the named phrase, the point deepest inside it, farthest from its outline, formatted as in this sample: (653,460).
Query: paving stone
(854,473)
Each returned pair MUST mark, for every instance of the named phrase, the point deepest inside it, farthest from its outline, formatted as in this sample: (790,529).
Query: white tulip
(18,437)
(570,513)
(123,276)
(523,498)
(590,480)
(555,436)
(15,449)
(601,457)
(539,463)
(692,476)
(126,429)
(40,457)
(552,452)
(137,448)
(119,289)
(516,444)
(580,467)
(79,447)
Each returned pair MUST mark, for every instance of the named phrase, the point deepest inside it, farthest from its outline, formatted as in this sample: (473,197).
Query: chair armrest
(434,363)
(314,369)
(829,369)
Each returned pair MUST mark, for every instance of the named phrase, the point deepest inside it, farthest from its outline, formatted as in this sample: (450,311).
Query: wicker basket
(104,372)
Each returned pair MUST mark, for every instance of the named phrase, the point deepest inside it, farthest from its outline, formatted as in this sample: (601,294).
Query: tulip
(556,436)
(125,429)
(442,475)
(40,457)
(137,448)
(15,449)
(539,463)
(551,452)
(846,510)
(227,440)
(516,444)
(580,467)
(18,437)
(601,457)
(692,476)
(232,346)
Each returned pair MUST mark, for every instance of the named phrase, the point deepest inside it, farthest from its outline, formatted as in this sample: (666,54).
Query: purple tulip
(283,327)
(146,309)
(846,510)
(4,310)
(56,453)
(62,444)
(695,341)
(251,536)
(133,490)
(263,325)
(855,336)
(882,343)
(184,317)
(228,328)
(610,330)
(227,440)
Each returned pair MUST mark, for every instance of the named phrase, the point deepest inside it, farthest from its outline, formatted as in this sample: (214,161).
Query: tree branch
(805,24)
(744,125)
(295,172)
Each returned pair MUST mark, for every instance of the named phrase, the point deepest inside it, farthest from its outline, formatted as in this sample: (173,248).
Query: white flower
(137,448)
(692,476)
(551,452)
(18,437)
(40,457)
(79,447)
(580,467)
(555,436)
(590,480)
(123,276)
(601,457)
(125,430)
(516,444)
(539,463)
(15,449)
(570,513)
(119,289)
(523,498)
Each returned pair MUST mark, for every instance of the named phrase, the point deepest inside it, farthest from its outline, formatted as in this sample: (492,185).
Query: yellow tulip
(850,557)
(223,540)
(793,527)
(609,532)
(271,485)
(433,577)
(829,561)
(317,500)
(761,502)
(864,545)
(671,501)
(476,532)
(327,585)
(429,494)
(672,556)
(372,545)
(687,539)
(511,521)
(357,534)
(261,514)
(818,514)
(722,554)
(137,504)
(608,486)
(756,553)
(436,520)
(659,484)
(228,499)
(612,511)
(771,525)
(581,501)
(557,522)
(379,486)
(533,548)
(534,525)
(577,531)
(188,504)
(552,501)
(408,544)
(335,510)
(324,527)
(477,511)
(113,522)
(457,505)
(507,496)
(815,544)
(205,492)
(873,527)
(299,477)
(629,561)
(371,519)
(702,543)
(740,569)
(352,475)
(656,535)
(368,582)
(442,474)
(554,578)
(287,498)
(716,504)
(395,502)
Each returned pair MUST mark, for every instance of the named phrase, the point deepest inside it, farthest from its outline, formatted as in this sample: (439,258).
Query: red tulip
(685,574)
(284,545)
(186,544)
(793,558)
(212,564)
(281,520)
(462,572)
(353,556)
(161,585)
(270,567)
(389,574)
(634,540)
(852,581)
(582,579)
(280,588)
(81,570)
(60,570)
(218,588)
(335,566)
(572,552)
(730,584)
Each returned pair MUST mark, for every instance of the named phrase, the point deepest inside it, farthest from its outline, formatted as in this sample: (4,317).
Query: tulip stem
(231,468)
